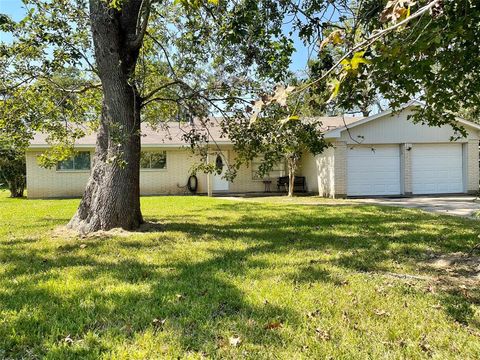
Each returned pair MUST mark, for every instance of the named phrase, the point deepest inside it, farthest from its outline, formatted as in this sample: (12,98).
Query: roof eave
(89,146)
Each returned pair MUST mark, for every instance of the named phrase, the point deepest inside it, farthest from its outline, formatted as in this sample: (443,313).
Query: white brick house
(384,154)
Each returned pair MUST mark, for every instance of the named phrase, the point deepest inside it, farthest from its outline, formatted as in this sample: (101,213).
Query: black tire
(192,184)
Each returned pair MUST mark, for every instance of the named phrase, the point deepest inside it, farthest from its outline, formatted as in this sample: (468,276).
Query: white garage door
(437,168)
(373,172)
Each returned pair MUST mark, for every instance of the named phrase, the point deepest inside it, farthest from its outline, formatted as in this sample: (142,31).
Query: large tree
(149,60)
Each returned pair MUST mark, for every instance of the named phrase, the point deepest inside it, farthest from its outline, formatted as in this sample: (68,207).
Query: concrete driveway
(450,205)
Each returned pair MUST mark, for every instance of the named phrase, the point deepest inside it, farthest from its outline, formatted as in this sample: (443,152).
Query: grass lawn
(215,278)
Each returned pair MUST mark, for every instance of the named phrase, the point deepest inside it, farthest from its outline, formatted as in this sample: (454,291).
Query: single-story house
(380,155)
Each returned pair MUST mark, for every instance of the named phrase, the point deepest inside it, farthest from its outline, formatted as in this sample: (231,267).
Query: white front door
(437,168)
(373,170)
(219,183)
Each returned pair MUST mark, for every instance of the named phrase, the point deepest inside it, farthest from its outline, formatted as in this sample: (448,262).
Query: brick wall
(44,183)
(473,166)
(340,169)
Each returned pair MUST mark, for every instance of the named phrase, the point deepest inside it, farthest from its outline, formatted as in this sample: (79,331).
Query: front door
(219,183)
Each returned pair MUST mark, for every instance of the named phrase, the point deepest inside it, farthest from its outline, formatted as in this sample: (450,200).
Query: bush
(13,171)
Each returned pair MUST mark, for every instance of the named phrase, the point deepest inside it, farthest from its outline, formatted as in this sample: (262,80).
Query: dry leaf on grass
(273,325)
(313,314)
(158,323)
(322,334)
(235,341)
(380,312)
(68,340)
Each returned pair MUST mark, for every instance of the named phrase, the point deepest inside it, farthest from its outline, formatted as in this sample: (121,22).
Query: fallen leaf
(235,341)
(313,314)
(273,325)
(158,322)
(379,312)
(68,339)
(424,344)
(322,334)
(83,246)
(158,325)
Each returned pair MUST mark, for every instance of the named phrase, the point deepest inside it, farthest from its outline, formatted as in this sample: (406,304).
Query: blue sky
(15,9)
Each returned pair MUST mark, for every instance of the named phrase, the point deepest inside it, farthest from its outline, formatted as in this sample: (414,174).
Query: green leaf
(357,59)
(334,86)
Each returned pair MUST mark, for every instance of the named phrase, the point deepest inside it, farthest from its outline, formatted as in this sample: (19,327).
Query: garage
(373,170)
(437,169)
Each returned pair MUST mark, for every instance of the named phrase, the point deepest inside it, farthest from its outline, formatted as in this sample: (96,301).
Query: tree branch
(145,8)
(172,69)
(159,99)
(153,92)
(81,90)
(370,40)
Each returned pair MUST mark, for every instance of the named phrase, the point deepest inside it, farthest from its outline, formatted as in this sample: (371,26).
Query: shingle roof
(171,133)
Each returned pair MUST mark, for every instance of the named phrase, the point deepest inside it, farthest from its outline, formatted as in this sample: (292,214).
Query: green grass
(215,269)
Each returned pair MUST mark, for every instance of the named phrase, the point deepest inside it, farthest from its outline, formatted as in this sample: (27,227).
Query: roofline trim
(174,145)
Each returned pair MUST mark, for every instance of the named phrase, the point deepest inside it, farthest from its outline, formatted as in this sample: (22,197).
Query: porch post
(209,179)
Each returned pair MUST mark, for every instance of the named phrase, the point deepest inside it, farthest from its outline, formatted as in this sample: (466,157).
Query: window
(153,160)
(277,170)
(81,161)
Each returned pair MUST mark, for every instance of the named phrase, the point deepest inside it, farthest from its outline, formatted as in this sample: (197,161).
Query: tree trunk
(112,195)
(291,183)
(16,187)
(292,167)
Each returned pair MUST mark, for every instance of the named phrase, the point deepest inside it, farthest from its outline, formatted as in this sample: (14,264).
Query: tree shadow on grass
(121,295)
(187,294)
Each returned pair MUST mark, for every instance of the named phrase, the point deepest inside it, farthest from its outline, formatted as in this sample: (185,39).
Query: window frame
(283,171)
(150,169)
(57,169)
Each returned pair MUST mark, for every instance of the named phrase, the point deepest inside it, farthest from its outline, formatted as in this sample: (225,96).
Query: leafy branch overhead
(358,46)
(279,96)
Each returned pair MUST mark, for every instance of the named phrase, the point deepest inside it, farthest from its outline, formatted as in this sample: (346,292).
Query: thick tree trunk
(112,195)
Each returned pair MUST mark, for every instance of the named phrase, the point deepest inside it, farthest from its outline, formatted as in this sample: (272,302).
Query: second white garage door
(373,170)
(437,168)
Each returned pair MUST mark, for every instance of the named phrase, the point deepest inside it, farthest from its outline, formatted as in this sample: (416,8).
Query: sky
(15,10)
